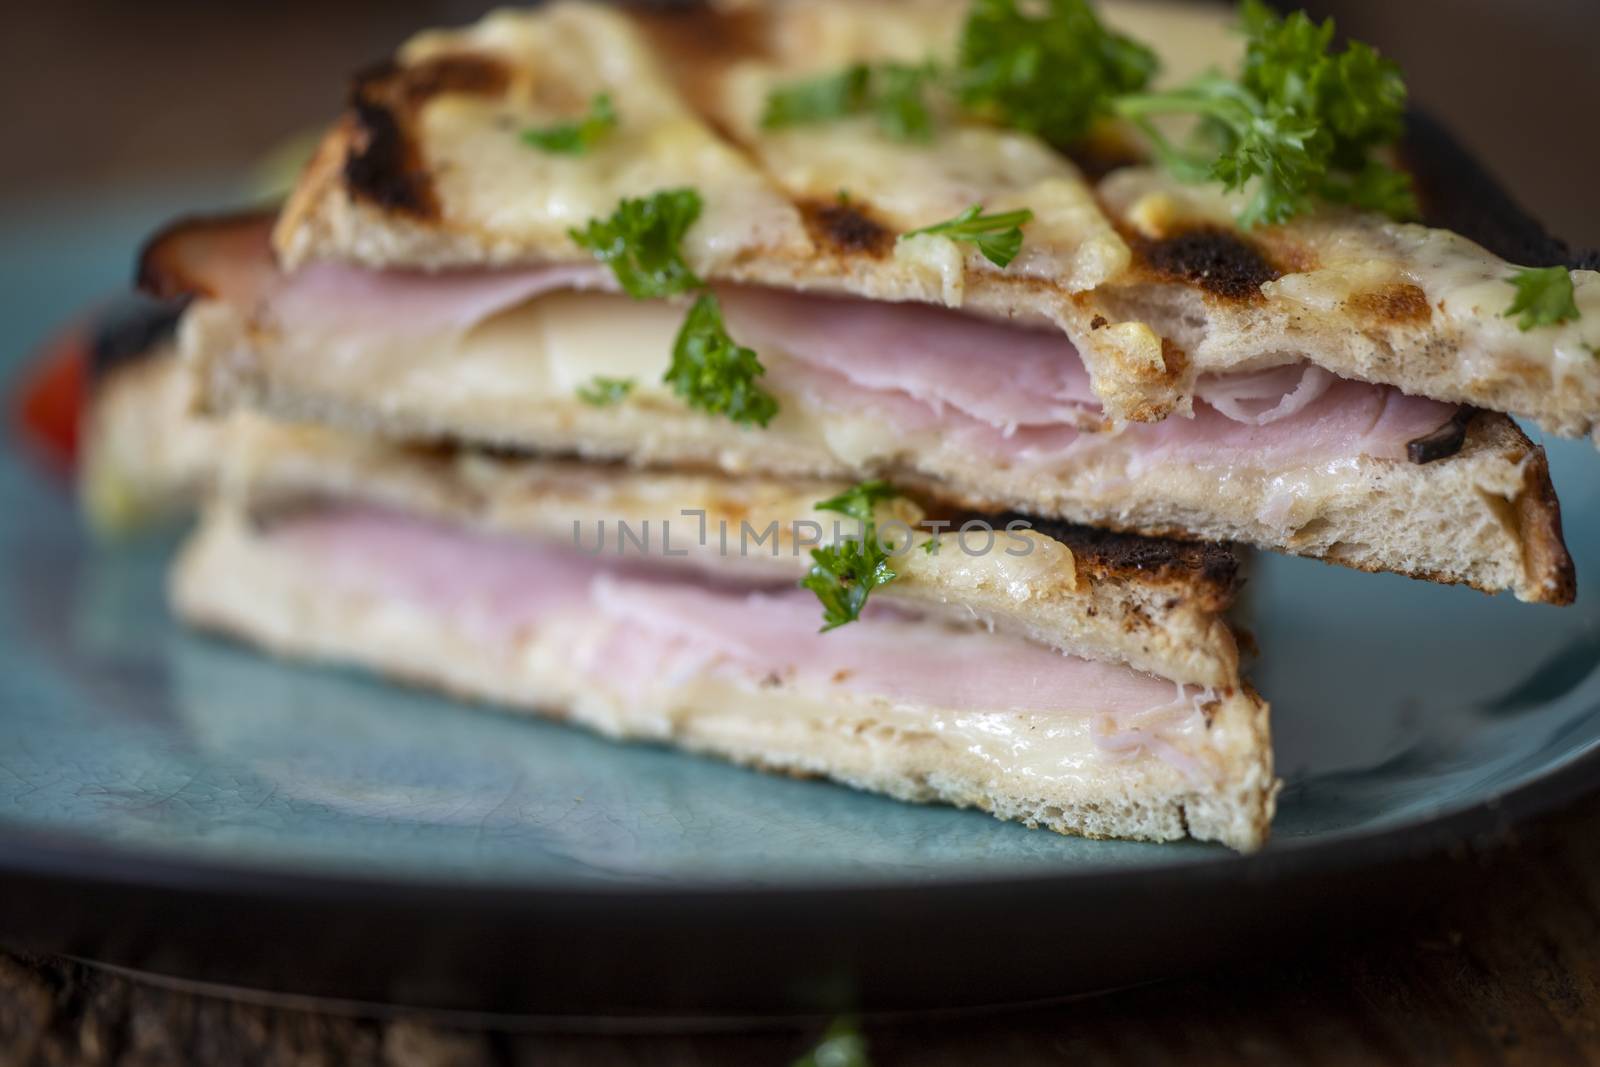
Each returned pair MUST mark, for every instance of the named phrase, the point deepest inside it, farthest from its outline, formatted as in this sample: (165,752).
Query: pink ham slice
(1336,420)
(1019,394)
(335,297)
(667,625)
(1001,375)
(1013,393)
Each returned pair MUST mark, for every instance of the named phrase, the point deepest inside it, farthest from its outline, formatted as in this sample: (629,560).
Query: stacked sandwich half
(714,378)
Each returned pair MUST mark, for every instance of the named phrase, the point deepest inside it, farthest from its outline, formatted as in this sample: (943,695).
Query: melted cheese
(488,180)
(1464,283)
(907,186)
(1354,255)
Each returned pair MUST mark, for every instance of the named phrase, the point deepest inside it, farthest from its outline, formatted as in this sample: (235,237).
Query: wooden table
(1505,970)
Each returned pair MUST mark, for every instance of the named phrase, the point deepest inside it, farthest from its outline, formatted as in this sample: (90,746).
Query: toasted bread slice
(1153,282)
(915,707)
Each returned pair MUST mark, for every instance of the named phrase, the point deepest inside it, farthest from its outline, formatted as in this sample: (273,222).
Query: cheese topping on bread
(1153,282)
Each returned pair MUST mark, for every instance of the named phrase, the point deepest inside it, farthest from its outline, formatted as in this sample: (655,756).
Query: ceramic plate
(177,803)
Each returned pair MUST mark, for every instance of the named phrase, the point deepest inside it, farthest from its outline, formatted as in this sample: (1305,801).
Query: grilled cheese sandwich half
(1088,685)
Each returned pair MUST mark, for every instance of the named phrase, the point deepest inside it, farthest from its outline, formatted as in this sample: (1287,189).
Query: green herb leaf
(641,242)
(1544,297)
(576,138)
(1052,75)
(1376,187)
(1301,121)
(845,574)
(899,103)
(715,375)
(860,502)
(998,237)
(603,392)
(841,1046)
(822,99)
(893,92)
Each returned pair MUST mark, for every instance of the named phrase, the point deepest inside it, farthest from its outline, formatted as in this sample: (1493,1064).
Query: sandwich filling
(916,376)
(625,626)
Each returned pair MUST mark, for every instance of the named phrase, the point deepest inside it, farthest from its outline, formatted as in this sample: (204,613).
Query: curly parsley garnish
(603,392)
(1052,75)
(1301,120)
(820,99)
(899,101)
(714,374)
(892,92)
(576,138)
(1544,297)
(641,242)
(998,237)
(845,574)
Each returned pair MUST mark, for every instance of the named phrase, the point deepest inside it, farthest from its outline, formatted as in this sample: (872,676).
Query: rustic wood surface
(1506,969)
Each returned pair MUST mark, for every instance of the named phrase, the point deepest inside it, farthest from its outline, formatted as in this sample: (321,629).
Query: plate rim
(86,859)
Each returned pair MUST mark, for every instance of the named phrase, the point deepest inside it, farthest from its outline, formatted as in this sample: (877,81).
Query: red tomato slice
(50,397)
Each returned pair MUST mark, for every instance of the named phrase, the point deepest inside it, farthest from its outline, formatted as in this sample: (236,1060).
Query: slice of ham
(230,258)
(887,653)
(1345,420)
(1003,375)
(219,257)
(662,626)
(1017,394)
(335,298)
(1266,396)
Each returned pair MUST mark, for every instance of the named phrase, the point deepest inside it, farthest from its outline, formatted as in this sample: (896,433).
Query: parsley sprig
(998,237)
(1300,124)
(1301,120)
(642,243)
(1052,74)
(575,138)
(894,93)
(713,373)
(1544,297)
(843,575)
(603,392)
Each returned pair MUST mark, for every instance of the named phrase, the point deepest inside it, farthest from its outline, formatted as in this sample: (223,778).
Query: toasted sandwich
(455,267)
(1115,650)
(1073,679)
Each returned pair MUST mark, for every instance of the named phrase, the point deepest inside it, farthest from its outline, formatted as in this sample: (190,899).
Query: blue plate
(175,802)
